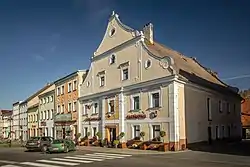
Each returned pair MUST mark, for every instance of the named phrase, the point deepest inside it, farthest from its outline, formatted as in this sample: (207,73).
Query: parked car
(62,145)
(39,143)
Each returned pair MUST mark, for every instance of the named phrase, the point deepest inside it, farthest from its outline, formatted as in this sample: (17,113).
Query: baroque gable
(116,34)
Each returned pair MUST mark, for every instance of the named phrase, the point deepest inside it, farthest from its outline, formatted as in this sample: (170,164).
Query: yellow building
(33,111)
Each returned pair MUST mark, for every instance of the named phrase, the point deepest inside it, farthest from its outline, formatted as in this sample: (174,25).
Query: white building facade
(23,120)
(46,110)
(15,119)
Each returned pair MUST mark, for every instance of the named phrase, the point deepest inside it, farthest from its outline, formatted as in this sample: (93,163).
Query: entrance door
(209,132)
(112,134)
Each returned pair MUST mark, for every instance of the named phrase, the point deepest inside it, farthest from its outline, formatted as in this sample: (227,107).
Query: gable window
(156,131)
(74,85)
(220,106)
(155,100)
(209,110)
(70,87)
(62,90)
(136,103)
(102,81)
(58,91)
(95,111)
(112,59)
(136,131)
(125,74)
(111,106)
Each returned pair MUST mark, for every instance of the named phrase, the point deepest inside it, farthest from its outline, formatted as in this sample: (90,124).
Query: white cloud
(38,57)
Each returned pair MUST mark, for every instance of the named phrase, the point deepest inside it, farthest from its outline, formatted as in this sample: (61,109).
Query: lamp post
(10,119)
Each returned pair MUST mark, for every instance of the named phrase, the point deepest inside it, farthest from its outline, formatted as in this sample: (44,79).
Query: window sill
(135,110)
(154,108)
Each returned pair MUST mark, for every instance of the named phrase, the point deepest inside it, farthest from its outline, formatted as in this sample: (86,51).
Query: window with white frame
(44,100)
(44,115)
(84,109)
(51,98)
(136,131)
(74,106)
(41,114)
(51,114)
(222,131)
(75,85)
(58,91)
(155,100)
(85,131)
(94,130)
(48,114)
(69,107)
(63,107)
(58,109)
(220,106)
(102,81)
(69,87)
(135,103)
(125,74)
(228,107)
(95,108)
(112,59)
(209,112)
(47,99)
(111,106)
(62,92)
(156,131)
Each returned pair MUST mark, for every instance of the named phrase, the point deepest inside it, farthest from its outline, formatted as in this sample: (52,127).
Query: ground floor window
(156,131)
(94,131)
(85,131)
(217,132)
(136,131)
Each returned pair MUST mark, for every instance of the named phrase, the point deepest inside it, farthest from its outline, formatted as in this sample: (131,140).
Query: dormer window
(112,59)
(102,81)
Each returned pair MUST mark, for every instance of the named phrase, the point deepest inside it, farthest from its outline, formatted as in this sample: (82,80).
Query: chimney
(149,32)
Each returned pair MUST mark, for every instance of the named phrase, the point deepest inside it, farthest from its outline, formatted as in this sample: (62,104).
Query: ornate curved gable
(116,34)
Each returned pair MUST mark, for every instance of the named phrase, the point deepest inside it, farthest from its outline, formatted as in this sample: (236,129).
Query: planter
(144,147)
(123,145)
(164,147)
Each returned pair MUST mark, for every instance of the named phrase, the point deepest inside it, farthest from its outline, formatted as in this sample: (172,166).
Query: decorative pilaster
(102,112)
(122,114)
(174,115)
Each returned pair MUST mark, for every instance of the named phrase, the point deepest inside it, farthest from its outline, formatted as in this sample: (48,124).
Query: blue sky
(43,40)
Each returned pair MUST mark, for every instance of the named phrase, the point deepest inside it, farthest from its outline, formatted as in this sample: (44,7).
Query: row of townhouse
(5,123)
(135,84)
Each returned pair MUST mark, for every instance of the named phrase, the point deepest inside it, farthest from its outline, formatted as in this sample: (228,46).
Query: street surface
(17,157)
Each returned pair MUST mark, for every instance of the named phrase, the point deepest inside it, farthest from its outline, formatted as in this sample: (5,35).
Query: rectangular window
(58,91)
(85,110)
(62,110)
(58,109)
(234,108)
(44,115)
(217,132)
(156,131)
(136,103)
(125,74)
(75,106)
(51,98)
(75,85)
(85,131)
(155,100)
(48,114)
(41,115)
(209,110)
(220,106)
(62,89)
(94,131)
(137,130)
(228,131)
(95,108)
(222,131)
(69,107)
(102,81)
(70,87)
(51,114)
(228,108)
(111,106)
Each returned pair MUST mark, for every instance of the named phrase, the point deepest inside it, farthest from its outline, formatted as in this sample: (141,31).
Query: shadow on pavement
(241,148)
